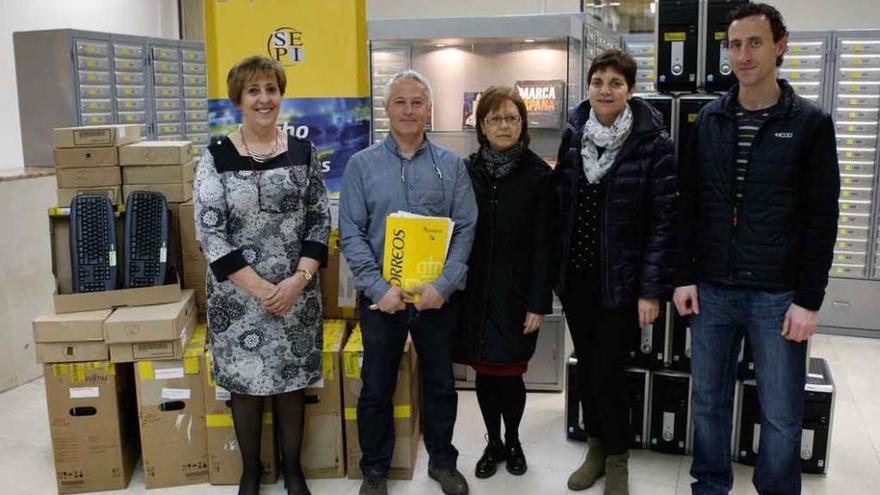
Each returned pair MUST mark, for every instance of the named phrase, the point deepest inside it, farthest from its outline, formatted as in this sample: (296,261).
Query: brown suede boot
(592,469)
(617,481)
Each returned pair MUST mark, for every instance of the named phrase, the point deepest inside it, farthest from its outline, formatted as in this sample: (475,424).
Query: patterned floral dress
(266,216)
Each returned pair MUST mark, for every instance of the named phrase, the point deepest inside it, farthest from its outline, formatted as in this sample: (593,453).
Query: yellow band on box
(77,371)
(225,420)
(675,36)
(400,412)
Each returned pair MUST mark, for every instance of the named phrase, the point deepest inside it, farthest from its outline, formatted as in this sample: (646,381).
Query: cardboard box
(156,153)
(70,337)
(92,136)
(66,195)
(159,174)
(338,294)
(174,193)
(171,410)
(72,178)
(85,157)
(91,420)
(189,243)
(155,323)
(65,301)
(323,448)
(72,352)
(405,401)
(70,327)
(196,279)
(224,456)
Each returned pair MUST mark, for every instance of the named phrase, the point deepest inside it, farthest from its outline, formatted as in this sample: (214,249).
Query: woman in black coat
(617,187)
(510,271)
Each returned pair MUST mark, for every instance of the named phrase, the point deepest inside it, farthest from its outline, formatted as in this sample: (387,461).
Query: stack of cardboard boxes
(167,167)
(87,160)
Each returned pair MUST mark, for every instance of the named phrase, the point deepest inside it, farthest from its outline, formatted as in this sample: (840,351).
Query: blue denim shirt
(377,182)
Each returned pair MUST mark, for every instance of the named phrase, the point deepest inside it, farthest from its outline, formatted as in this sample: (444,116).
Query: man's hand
(391,302)
(686,300)
(649,309)
(800,323)
(533,322)
(430,297)
(287,291)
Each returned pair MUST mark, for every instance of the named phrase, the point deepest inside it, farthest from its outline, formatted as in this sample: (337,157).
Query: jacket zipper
(737,209)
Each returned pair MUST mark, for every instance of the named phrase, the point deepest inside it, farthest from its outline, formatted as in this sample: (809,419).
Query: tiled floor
(854,466)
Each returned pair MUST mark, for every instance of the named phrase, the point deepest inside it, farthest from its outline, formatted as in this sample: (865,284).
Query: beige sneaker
(592,468)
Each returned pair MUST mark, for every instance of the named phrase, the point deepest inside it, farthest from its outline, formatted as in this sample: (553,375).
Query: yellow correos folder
(415,249)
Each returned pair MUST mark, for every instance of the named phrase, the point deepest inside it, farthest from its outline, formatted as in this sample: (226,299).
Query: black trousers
(602,340)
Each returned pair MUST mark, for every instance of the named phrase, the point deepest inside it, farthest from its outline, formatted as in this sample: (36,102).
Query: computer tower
(664,104)
(718,72)
(574,411)
(678,40)
(649,347)
(638,388)
(687,109)
(670,425)
(680,343)
(638,384)
(816,425)
(818,418)
(745,368)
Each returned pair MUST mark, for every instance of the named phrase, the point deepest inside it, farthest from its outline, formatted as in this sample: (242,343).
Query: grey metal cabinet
(68,77)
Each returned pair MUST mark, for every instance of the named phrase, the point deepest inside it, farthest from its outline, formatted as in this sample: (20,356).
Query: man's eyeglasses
(497,120)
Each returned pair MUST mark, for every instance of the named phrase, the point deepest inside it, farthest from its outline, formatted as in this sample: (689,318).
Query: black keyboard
(92,243)
(146,239)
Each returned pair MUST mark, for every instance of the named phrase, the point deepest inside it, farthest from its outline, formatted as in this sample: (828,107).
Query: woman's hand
(649,309)
(288,290)
(533,322)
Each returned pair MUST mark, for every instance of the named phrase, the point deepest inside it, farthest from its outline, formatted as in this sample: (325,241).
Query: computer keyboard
(146,239)
(92,243)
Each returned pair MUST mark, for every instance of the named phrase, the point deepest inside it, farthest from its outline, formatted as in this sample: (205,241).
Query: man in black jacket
(760,184)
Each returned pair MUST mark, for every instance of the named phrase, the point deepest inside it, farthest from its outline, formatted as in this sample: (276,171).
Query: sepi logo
(285,44)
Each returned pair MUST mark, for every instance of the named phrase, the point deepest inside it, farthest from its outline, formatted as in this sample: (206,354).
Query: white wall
(823,15)
(157,18)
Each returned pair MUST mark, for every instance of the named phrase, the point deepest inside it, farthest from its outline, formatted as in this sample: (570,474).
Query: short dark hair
(491,100)
(618,61)
(777,24)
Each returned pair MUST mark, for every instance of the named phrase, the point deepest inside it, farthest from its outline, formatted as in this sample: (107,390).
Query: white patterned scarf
(610,138)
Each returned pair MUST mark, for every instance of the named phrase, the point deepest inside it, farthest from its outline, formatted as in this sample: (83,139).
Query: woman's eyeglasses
(497,120)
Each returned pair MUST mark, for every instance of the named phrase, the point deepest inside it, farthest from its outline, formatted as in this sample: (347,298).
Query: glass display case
(540,55)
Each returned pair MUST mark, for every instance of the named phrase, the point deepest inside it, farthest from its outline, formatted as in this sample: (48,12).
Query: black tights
(289,414)
(501,397)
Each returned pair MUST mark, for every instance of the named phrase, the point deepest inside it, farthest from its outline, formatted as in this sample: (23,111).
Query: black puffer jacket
(511,268)
(784,238)
(637,220)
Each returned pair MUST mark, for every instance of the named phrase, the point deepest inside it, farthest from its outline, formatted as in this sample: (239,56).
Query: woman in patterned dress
(263,223)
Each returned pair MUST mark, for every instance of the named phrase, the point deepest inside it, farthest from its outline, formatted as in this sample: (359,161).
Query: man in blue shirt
(406,172)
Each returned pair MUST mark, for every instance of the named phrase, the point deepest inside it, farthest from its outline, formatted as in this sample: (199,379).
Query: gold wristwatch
(307,275)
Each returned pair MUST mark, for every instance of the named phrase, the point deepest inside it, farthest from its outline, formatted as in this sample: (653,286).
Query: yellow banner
(322,45)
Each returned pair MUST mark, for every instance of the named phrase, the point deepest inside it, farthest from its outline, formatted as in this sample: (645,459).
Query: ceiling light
(440,45)
(614,4)
(529,40)
(653,8)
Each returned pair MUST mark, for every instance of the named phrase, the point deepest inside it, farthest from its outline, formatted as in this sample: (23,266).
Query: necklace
(261,157)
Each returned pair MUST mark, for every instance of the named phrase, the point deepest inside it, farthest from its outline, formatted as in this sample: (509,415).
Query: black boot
(516,459)
(492,456)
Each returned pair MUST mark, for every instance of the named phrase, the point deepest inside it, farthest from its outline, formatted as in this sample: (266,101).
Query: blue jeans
(726,314)
(433,333)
